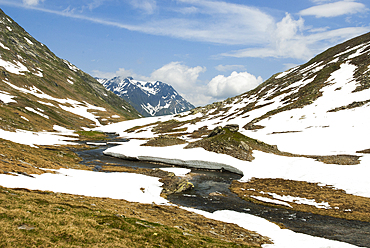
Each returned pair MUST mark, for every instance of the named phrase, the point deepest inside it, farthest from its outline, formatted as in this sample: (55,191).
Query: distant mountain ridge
(148,98)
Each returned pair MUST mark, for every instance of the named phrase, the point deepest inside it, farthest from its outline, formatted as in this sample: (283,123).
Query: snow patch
(283,74)
(70,66)
(28,41)
(6,98)
(116,185)
(282,199)
(75,107)
(24,118)
(36,112)
(265,199)
(16,67)
(2,45)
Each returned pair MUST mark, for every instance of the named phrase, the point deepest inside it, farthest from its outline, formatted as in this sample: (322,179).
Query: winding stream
(211,193)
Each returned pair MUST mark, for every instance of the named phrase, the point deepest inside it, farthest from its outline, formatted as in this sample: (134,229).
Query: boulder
(184,185)
(216,131)
(232,127)
(244,146)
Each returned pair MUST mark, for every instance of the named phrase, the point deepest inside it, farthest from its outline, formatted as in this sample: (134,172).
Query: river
(211,192)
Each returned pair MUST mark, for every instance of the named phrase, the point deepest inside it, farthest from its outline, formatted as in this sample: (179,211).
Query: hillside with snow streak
(38,90)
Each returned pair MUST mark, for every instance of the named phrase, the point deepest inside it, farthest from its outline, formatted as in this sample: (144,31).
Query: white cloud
(187,10)
(334,9)
(185,81)
(288,41)
(126,73)
(32,2)
(216,22)
(235,84)
(180,76)
(318,30)
(322,1)
(148,6)
(225,68)
(95,4)
(234,24)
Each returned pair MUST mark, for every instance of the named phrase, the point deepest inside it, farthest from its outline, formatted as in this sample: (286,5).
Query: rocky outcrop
(226,140)
(232,127)
(175,184)
(216,131)
(219,130)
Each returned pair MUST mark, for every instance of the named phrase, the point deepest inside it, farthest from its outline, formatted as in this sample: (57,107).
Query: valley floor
(145,190)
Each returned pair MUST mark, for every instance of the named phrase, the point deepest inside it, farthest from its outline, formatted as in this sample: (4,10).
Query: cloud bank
(334,9)
(186,81)
(235,84)
(231,24)
(289,40)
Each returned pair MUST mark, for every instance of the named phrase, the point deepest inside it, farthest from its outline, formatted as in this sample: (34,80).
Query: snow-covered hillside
(319,108)
(149,98)
(309,123)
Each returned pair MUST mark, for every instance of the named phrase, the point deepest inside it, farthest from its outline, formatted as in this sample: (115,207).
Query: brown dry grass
(47,219)
(63,220)
(339,201)
(169,127)
(164,140)
(19,158)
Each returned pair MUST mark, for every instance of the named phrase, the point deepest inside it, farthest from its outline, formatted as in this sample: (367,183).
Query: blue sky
(208,50)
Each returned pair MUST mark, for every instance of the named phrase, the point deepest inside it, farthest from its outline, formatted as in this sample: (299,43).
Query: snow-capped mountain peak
(151,98)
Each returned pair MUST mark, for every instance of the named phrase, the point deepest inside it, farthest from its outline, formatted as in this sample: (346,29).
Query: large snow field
(318,131)
(351,178)
(128,186)
(145,189)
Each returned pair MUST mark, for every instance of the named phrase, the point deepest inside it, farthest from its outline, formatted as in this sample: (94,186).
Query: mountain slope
(319,108)
(149,98)
(299,139)
(316,108)
(39,90)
